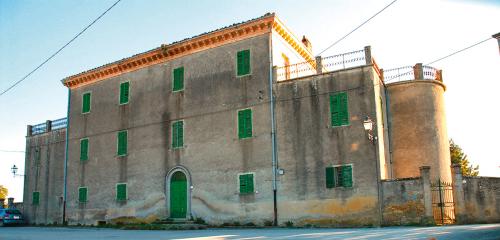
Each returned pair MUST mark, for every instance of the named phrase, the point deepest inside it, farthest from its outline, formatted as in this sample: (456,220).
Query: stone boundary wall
(407,201)
(482,199)
(403,201)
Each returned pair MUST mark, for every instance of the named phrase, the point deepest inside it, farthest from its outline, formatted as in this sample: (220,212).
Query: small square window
(339,176)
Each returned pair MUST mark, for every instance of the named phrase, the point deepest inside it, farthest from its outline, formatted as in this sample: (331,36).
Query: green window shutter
(346,176)
(121,192)
(82,194)
(245,123)
(84,149)
(178,134)
(344,109)
(178,79)
(243,62)
(86,102)
(124,92)
(339,109)
(330,177)
(246,183)
(36,198)
(122,143)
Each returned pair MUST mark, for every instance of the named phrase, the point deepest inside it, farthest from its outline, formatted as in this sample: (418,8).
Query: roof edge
(236,32)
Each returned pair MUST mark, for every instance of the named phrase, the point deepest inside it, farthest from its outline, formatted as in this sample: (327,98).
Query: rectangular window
(339,176)
(246,183)
(84,149)
(121,192)
(243,59)
(122,143)
(82,194)
(339,110)
(178,134)
(178,83)
(86,102)
(36,198)
(124,92)
(245,123)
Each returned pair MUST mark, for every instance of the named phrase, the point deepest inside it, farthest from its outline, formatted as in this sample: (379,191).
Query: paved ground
(475,232)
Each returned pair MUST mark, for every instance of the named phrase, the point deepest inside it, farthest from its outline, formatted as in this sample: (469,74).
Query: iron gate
(443,207)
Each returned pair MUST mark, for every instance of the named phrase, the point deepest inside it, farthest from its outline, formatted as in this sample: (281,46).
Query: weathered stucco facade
(44,169)
(329,173)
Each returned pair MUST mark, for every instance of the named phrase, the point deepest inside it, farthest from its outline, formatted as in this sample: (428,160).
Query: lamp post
(368,125)
(14,171)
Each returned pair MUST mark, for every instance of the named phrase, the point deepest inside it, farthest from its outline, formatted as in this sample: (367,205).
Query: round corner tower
(419,134)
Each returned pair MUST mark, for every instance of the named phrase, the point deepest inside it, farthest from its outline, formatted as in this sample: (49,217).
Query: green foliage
(3,192)
(459,157)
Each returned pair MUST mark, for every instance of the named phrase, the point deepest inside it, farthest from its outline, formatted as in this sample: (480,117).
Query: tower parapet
(418,121)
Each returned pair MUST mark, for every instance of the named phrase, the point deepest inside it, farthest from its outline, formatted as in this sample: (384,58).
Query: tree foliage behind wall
(3,192)
(459,157)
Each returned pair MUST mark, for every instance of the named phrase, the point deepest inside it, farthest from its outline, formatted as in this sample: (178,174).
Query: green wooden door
(178,195)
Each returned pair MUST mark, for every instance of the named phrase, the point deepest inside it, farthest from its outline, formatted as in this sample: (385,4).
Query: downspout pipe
(273,134)
(66,160)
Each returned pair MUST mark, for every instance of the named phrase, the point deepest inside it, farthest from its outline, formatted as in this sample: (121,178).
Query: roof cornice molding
(165,53)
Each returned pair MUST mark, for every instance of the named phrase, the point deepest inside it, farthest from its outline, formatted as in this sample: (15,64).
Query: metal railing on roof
(48,126)
(326,64)
(408,73)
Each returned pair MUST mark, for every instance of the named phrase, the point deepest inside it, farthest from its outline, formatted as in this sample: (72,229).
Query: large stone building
(241,124)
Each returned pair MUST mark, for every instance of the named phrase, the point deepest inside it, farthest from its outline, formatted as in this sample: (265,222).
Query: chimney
(306,43)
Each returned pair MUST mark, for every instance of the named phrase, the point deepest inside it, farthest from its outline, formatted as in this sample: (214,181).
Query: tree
(3,192)
(459,157)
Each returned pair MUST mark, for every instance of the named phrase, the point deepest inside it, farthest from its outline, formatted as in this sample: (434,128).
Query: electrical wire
(11,151)
(461,50)
(342,38)
(447,56)
(60,49)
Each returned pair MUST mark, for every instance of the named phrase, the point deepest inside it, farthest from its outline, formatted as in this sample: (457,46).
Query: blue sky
(406,33)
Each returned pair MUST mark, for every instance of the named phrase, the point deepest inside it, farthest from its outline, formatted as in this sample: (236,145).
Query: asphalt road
(474,232)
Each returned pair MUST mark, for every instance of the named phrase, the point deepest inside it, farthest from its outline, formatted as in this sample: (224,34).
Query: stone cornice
(199,43)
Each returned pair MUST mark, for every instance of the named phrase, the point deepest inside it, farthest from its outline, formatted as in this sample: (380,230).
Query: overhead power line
(60,49)
(342,38)
(11,151)
(447,56)
(461,50)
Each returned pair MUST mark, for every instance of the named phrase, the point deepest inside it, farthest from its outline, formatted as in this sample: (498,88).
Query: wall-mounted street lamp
(14,171)
(368,125)
(497,37)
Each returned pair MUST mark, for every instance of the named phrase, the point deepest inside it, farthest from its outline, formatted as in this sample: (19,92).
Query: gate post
(458,194)
(425,176)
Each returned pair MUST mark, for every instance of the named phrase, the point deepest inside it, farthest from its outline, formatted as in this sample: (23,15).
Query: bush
(289,224)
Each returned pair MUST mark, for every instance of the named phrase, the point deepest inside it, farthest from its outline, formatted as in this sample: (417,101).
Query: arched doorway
(178,192)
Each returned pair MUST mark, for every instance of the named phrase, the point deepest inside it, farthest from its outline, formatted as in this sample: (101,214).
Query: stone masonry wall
(482,199)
